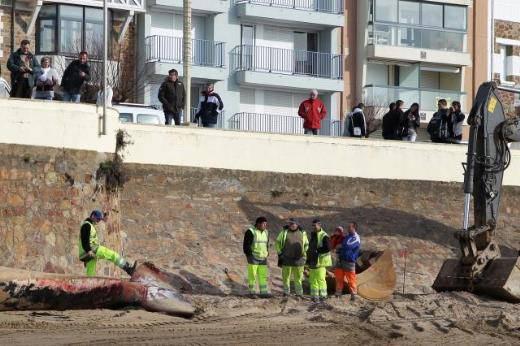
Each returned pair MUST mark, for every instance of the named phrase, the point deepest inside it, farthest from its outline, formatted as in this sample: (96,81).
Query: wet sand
(432,319)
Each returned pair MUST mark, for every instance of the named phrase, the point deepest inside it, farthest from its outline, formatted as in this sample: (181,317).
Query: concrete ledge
(290,16)
(288,81)
(414,55)
(198,6)
(197,72)
(76,126)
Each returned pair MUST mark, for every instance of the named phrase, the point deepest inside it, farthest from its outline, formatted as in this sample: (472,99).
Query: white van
(139,114)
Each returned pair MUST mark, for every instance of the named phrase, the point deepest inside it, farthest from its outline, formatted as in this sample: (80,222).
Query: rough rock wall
(45,194)
(191,220)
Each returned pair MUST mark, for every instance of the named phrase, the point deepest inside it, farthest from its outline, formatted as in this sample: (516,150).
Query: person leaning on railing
(313,111)
(77,73)
(210,106)
(46,79)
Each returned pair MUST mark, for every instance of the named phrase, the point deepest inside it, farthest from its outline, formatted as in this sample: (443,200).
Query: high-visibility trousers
(340,275)
(257,273)
(317,282)
(297,275)
(104,254)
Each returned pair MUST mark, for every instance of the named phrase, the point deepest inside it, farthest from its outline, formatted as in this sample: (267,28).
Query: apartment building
(415,50)
(263,56)
(61,29)
(506,49)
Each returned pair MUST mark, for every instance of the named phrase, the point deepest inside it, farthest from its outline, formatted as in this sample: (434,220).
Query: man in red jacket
(312,111)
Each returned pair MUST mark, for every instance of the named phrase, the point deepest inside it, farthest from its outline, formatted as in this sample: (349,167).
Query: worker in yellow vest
(318,259)
(90,251)
(256,249)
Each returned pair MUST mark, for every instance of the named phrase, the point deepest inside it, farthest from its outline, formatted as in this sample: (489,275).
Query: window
(47,29)
(94,31)
(71,29)
(409,12)
(432,15)
(455,17)
(67,30)
(386,10)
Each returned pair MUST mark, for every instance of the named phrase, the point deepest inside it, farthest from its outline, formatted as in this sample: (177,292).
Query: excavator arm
(481,267)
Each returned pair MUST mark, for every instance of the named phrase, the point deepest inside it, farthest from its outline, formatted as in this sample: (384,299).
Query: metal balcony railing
(287,61)
(382,95)
(278,123)
(418,37)
(169,49)
(327,6)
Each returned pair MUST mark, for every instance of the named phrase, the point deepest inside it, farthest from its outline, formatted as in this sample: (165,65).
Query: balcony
(198,6)
(166,52)
(412,43)
(286,68)
(305,13)
(277,123)
(383,95)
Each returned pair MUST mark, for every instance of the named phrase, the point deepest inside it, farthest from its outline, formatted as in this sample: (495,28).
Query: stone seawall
(191,220)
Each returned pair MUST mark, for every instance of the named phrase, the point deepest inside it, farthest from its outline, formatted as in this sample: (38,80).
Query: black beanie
(260,219)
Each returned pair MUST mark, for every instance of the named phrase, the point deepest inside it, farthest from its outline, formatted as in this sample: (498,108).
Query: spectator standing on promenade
(46,80)
(77,73)
(398,118)
(358,125)
(411,122)
(456,122)
(387,126)
(210,106)
(439,124)
(23,65)
(313,111)
(172,96)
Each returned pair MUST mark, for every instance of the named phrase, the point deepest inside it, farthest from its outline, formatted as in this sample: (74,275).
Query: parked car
(139,114)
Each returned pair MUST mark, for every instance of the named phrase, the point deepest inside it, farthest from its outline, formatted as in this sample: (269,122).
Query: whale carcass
(148,287)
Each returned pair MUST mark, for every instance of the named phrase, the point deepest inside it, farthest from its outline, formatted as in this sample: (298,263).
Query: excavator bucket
(375,276)
(501,279)
(378,281)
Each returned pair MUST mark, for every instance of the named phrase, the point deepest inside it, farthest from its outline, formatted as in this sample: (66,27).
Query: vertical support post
(405,254)
(105,58)
(187,58)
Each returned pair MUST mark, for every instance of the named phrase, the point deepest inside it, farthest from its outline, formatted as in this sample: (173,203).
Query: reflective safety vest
(93,240)
(259,246)
(280,241)
(325,259)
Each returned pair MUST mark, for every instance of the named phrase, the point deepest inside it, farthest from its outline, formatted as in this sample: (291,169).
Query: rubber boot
(129,269)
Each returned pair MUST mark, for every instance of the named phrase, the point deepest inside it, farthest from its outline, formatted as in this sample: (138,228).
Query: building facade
(506,50)
(416,51)
(262,55)
(61,29)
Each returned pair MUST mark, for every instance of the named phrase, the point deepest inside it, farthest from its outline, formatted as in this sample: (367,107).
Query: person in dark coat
(172,95)
(23,65)
(387,122)
(210,106)
(411,122)
(456,122)
(77,73)
(438,127)
(358,123)
(392,122)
